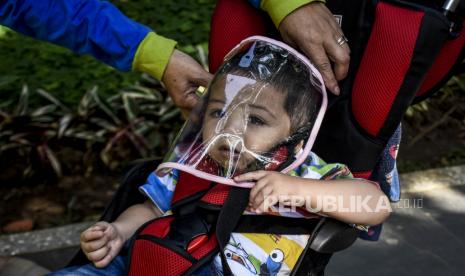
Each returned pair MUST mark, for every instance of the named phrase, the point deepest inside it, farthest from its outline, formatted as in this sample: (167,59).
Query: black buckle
(186,228)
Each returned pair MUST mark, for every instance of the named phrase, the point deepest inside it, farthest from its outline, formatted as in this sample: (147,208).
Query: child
(257,120)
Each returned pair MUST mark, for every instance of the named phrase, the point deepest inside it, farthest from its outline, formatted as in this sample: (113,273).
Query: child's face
(244,120)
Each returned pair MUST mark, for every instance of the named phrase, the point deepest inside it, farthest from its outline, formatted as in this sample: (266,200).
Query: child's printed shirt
(252,253)
(386,175)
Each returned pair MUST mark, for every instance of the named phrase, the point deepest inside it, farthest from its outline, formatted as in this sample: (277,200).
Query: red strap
(384,64)
(447,57)
(159,229)
(364,175)
(188,185)
(217,195)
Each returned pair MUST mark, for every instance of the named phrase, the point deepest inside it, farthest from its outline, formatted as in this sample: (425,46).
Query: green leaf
(47,154)
(41,120)
(52,99)
(101,133)
(170,115)
(104,124)
(144,127)
(104,105)
(85,104)
(23,102)
(139,143)
(5,80)
(130,107)
(65,121)
(47,109)
(202,56)
(9,146)
(19,138)
(84,135)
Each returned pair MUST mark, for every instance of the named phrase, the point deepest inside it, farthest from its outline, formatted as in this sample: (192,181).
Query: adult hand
(101,243)
(313,29)
(182,77)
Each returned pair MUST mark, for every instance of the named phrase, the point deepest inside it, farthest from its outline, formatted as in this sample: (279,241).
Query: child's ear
(299,146)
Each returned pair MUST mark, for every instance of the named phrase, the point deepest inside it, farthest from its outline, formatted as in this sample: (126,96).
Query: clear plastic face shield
(262,111)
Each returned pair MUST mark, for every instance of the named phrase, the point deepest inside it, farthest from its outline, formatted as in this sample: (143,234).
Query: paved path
(415,241)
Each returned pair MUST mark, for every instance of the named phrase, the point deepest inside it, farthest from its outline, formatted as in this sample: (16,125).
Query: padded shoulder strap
(188,188)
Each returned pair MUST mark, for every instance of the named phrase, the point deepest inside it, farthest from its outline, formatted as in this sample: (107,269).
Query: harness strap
(229,216)
(276,225)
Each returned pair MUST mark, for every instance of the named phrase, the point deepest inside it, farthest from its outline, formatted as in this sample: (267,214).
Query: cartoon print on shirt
(242,261)
(273,263)
(247,264)
(393,150)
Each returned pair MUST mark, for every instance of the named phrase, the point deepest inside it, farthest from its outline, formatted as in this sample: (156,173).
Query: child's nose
(235,122)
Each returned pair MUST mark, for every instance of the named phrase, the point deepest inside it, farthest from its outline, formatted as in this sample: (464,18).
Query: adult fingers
(339,54)
(318,55)
(182,77)
(201,78)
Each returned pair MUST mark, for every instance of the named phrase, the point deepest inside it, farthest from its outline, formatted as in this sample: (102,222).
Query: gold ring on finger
(342,40)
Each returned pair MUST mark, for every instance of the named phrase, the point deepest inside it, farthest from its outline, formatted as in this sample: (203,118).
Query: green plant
(137,122)
(31,131)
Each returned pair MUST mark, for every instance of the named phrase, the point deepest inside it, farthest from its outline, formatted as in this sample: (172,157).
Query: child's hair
(287,74)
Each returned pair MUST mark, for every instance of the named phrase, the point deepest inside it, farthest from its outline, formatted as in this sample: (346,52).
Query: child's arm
(103,241)
(332,199)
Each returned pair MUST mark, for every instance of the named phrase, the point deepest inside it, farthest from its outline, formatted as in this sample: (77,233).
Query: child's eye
(216,113)
(256,121)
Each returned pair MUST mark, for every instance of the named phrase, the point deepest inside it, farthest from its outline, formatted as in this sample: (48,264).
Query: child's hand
(101,243)
(270,188)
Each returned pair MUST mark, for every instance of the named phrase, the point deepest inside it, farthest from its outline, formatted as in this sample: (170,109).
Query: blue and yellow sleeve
(279,9)
(91,27)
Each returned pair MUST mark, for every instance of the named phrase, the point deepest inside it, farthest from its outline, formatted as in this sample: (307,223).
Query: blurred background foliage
(29,66)
(434,130)
(70,125)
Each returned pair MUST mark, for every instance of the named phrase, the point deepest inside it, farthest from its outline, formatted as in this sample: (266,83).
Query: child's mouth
(227,152)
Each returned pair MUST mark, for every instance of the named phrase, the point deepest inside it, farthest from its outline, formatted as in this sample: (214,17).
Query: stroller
(414,47)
